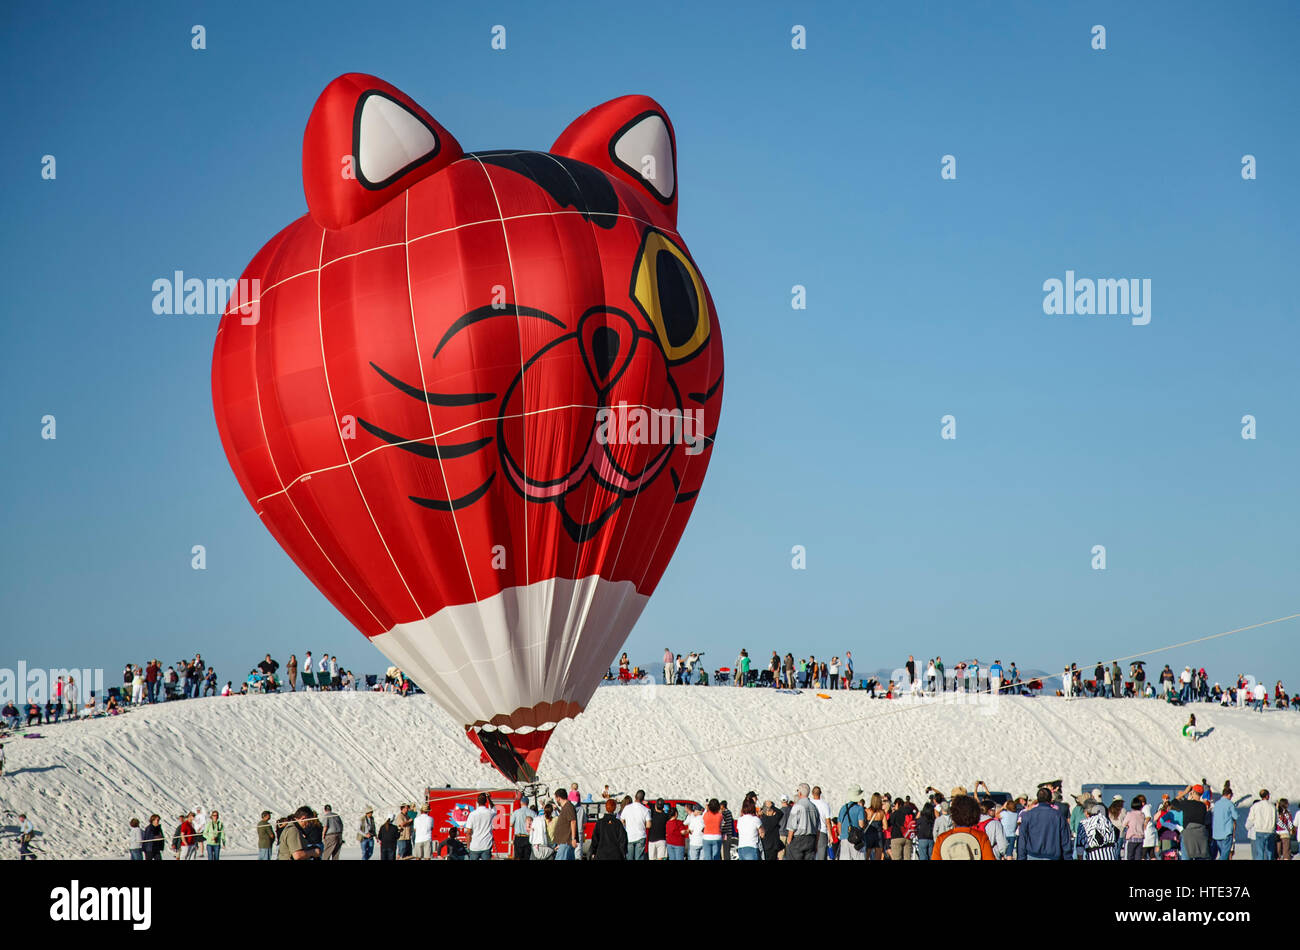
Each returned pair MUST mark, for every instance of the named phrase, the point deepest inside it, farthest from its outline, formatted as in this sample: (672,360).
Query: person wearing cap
(265,837)
(521,823)
(1044,831)
(366,834)
(608,836)
(388,835)
(1191,806)
(695,832)
(422,836)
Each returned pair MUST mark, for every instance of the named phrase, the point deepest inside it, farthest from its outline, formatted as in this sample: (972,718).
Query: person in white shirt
(824,814)
(695,833)
(1150,840)
(323,672)
(1260,695)
(200,820)
(747,828)
(479,829)
(422,836)
(636,820)
(307,665)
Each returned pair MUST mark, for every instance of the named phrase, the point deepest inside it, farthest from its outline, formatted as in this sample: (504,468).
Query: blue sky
(817,167)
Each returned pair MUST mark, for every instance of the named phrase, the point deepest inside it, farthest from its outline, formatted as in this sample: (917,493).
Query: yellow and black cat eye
(668,290)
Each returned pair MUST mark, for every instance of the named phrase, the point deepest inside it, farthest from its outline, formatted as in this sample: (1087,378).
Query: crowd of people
(967,676)
(1192,685)
(187,679)
(979,825)
(976,825)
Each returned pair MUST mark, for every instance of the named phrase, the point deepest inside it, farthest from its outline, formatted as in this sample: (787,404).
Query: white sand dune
(83,781)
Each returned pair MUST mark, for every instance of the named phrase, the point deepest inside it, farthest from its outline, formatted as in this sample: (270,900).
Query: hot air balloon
(473,396)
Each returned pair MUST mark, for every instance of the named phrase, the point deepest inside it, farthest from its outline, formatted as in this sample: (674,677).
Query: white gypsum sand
(83,782)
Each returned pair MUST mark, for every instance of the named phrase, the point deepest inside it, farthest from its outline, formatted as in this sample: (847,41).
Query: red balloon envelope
(473,395)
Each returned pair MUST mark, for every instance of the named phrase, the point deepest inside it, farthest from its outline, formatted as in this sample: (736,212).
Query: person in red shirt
(675,836)
(964,841)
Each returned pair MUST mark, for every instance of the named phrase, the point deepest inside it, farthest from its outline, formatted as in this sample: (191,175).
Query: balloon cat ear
(367,142)
(631,139)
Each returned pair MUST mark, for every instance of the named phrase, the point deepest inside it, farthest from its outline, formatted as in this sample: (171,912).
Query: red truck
(450,808)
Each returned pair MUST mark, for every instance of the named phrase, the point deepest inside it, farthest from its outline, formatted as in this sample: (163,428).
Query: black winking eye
(678,305)
(670,294)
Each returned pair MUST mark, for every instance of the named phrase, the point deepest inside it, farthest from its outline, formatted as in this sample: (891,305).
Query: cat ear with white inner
(367,142)
(632,139)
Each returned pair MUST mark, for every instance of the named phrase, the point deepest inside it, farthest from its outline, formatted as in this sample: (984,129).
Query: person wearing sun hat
(366,833)
(852,815)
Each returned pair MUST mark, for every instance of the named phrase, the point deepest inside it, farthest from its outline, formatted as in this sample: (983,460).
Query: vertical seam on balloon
(419,357)
(563,686)
(334,416)
(523,383)
(261,421)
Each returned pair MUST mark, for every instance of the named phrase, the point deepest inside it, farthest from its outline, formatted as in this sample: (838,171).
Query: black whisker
(424,449)
(680,496)
(455,504)
(705,397)
(482,313)
(435,399)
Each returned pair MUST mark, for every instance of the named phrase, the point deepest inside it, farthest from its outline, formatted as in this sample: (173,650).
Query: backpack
(850,832)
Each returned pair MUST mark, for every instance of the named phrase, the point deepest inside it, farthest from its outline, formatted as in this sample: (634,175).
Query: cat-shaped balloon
(476,396)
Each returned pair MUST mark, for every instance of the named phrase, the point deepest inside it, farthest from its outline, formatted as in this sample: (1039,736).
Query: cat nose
(607,340)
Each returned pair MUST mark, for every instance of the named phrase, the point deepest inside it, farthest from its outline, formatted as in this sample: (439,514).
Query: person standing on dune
(333,839)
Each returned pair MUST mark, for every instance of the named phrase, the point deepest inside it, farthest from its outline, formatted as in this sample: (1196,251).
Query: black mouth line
(446,400)
(581,532)
(455,504)
(424,449)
